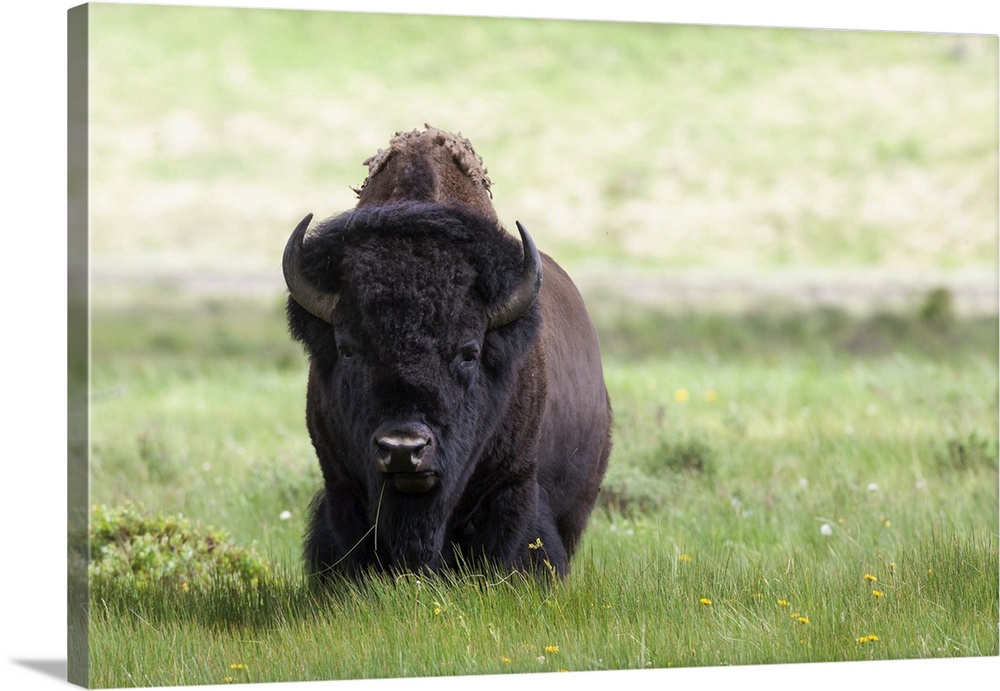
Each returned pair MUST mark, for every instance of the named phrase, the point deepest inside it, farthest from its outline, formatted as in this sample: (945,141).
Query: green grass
(646,612)
(720,493)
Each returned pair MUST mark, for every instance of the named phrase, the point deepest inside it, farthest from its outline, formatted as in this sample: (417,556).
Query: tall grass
(749,495)
(625,607)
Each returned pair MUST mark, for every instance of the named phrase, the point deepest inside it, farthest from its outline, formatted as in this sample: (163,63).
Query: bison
(455,397)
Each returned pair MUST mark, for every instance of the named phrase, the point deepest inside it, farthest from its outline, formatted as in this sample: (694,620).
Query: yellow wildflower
(684,557)
(877,593)
(869,577)
(870,638)
(705,601)
(552,648)
(783,603)
(537,544)
(437,611)
(237,665)
(681,395)
(505,660)
(803,620)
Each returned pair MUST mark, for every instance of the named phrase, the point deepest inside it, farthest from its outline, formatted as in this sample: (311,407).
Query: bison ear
(522,297)
(313,300)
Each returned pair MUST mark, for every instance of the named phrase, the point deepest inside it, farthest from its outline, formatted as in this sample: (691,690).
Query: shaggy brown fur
(429,165)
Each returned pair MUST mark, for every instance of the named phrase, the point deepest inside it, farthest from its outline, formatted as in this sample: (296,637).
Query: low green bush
(171,551)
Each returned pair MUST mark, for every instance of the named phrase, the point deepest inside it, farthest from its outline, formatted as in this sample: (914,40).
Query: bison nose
(403,449)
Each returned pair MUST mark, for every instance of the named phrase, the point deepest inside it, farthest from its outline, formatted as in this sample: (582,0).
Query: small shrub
(126,546)
(685,455)
(968,452)
(627,490)
(938,309)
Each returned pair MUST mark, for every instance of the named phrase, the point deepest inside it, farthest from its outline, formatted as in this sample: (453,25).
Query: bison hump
(428,165)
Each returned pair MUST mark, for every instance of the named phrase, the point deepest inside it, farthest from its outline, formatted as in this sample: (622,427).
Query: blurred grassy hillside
(626,149)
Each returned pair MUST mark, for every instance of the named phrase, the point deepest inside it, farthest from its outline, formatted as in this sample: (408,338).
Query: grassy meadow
(792,480)
(761,507)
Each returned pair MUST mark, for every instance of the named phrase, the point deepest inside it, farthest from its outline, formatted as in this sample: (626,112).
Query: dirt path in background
(975,292)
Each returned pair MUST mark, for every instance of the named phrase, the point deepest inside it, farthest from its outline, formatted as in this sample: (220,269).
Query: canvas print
(414,346)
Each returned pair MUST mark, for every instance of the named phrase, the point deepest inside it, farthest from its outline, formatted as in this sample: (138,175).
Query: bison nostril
(401,451)
(400,456)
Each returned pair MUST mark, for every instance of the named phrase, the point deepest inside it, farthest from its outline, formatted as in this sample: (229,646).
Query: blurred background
(672,166)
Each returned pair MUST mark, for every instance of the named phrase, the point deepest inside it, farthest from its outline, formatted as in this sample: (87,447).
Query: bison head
(416,317)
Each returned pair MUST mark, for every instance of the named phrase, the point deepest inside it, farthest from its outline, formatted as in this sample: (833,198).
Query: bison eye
(347,350)
(469,353)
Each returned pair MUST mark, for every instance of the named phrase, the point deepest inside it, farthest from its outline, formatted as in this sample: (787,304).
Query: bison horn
(524,293)
(312,300)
